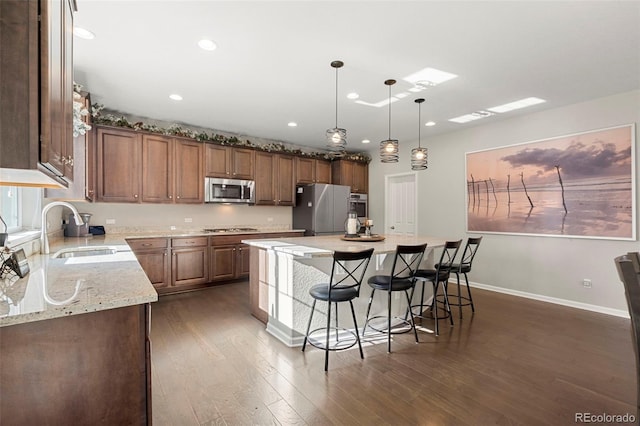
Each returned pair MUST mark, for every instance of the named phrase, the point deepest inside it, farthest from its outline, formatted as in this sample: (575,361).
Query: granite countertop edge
(87,284)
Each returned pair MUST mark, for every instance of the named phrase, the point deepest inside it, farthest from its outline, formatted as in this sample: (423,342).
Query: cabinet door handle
(178,197)
(146,245)
(135,195)
(170,197)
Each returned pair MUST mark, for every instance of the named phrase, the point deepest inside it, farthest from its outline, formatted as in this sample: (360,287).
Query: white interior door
(401,208)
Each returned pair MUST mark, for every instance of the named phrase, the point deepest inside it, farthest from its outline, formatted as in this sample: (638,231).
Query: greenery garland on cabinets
(177,130)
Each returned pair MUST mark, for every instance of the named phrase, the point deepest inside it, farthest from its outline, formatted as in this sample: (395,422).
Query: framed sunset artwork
(580,186)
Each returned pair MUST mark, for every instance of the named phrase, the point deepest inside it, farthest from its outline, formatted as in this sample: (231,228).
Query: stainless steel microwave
(229,191)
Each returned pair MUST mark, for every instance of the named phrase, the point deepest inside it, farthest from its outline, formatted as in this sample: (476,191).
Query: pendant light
(389,148)
(337,137)
(419,154)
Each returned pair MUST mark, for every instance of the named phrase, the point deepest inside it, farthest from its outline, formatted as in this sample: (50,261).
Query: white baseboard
(570,303)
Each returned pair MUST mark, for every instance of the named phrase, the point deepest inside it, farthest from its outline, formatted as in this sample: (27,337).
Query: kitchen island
(74,338)
(283,270)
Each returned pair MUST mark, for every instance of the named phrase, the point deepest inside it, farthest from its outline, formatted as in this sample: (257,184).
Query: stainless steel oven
(229,191)
(359,203)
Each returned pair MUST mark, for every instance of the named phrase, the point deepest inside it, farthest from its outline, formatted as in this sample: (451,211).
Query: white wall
(545,266)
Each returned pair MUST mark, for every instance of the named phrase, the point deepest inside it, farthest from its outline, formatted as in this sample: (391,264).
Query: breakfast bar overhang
(283,271)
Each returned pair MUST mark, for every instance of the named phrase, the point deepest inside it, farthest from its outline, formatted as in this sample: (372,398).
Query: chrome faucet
(44,240)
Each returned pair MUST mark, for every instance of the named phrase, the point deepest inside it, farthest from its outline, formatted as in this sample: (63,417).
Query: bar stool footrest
(401,322)
(339,338)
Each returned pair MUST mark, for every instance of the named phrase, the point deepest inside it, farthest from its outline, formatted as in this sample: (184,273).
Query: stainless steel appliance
(358,202)
(321,209)
(229,191)
(72,229)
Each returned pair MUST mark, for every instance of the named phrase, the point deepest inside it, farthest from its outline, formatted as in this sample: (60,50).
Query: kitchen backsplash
(127,218)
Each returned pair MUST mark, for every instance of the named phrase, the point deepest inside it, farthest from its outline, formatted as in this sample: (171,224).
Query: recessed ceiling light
(292,124)
(522,103)
(429,77)
(82,33)
(353,95)
(366,141)
(471,117)
(207,44)
(430,123)
(175,97)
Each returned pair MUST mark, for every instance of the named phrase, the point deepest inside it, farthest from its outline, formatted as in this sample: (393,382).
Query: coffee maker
(71,229)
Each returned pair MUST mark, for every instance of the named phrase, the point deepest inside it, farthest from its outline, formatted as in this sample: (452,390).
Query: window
(20,209)
(11,207)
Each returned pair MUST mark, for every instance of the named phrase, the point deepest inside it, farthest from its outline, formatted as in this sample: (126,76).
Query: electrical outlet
(269,219)
(110,221)
(188,220)
(173,228)
(586,283)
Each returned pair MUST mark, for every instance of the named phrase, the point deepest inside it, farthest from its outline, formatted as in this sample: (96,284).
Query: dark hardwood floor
(516,361)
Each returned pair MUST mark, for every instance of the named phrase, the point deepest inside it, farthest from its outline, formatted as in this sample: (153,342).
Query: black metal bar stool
(353,265)
(436,276)
(464,267)
(405,263)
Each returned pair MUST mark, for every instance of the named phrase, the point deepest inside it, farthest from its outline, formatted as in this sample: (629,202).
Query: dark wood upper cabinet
(189,171)
(82,188)
(157,169)
(36,118)
(56,86)
(265,175)
(229,162)
(305,170)
(285,180)
(310,170)
(323,171)
(351,173)
(172,168)
(118,165)
(275,183)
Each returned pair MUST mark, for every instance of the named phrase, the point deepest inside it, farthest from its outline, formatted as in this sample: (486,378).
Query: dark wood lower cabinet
(189,261)
(85,369)
(180,264)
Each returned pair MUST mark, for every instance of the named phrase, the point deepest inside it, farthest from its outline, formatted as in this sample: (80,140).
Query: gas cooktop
(222,230)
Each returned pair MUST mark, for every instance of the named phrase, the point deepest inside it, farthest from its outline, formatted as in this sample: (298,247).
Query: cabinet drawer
(227,240)
(147,243)
(189,242)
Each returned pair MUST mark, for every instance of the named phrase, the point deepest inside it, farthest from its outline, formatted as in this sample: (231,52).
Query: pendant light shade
(337,137)
(389,147)
(419,154)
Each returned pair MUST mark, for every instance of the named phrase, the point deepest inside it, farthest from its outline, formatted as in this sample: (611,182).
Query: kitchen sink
(85,251)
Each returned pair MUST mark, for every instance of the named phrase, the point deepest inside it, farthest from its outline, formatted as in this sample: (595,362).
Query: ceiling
(272,63)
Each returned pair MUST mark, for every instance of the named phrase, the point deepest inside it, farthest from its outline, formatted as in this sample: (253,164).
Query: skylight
(471,117)
(522,103)
(429,77)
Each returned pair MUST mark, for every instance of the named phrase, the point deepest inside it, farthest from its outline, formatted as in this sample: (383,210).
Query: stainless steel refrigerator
(321,209)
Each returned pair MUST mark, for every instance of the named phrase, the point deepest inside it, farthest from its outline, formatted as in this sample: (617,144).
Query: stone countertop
(323,246)
(62,287)
(201,233)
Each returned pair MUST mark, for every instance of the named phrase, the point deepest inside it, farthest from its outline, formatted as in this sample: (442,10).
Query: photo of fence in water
(580,185)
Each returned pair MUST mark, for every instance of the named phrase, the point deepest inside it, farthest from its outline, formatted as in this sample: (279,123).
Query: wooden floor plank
(515,361)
